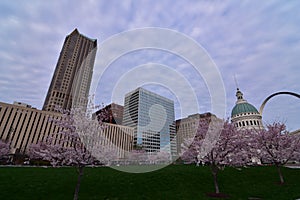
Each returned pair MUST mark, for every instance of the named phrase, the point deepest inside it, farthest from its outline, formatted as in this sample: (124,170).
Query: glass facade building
(152,117)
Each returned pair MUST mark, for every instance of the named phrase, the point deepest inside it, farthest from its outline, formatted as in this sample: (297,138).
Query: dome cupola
(242,106)
(244,114)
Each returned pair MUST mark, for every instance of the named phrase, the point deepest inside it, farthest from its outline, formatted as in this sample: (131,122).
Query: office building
(71,80)
(152,117)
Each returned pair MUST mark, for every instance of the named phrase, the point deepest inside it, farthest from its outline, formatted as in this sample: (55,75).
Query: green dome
(243,108)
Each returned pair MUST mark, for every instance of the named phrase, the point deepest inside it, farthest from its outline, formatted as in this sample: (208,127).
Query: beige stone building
(121,137)
(187,127)
(22,125)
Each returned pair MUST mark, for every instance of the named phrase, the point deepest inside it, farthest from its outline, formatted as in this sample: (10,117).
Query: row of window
(245,114)
(247,123)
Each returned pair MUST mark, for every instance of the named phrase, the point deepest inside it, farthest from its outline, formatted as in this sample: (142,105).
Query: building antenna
(235,80)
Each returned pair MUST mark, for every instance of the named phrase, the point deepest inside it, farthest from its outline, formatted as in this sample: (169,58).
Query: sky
(258,42)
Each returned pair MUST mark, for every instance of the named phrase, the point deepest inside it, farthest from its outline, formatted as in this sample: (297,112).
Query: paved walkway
(293,166)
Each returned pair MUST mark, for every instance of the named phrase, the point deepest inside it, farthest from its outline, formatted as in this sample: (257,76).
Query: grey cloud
(258,41)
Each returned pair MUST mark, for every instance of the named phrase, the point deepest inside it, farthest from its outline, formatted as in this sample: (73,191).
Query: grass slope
(172,182)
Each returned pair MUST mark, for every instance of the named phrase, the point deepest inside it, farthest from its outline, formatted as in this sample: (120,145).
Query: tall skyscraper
(72,77)
(152,117)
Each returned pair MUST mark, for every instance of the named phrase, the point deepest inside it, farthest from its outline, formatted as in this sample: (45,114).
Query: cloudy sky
(258,42)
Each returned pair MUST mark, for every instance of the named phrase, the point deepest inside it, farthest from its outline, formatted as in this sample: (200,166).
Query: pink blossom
(275,145)
(217,144)
(4,150)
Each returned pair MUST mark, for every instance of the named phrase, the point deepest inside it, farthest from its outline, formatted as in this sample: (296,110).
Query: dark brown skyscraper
(71,81)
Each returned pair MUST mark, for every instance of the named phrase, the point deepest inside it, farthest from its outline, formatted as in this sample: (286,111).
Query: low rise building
(187,128)
(22,125)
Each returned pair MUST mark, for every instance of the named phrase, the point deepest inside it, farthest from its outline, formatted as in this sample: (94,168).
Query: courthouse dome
(244,114)
(243,108)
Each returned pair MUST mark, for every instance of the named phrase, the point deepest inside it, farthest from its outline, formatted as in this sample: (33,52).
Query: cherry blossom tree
(137,157)
(159,157)
(217,144)
(4,150)
(162,157)
(276,145)
(141,157)
(79,143)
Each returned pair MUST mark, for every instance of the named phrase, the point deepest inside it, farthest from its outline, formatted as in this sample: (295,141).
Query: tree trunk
(280,174)
(80,174)
(214,171)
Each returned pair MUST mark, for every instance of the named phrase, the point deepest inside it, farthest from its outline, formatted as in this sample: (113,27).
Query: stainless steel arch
(275,94)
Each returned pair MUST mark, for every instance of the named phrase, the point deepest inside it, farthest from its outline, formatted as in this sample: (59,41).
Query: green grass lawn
(172,182)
